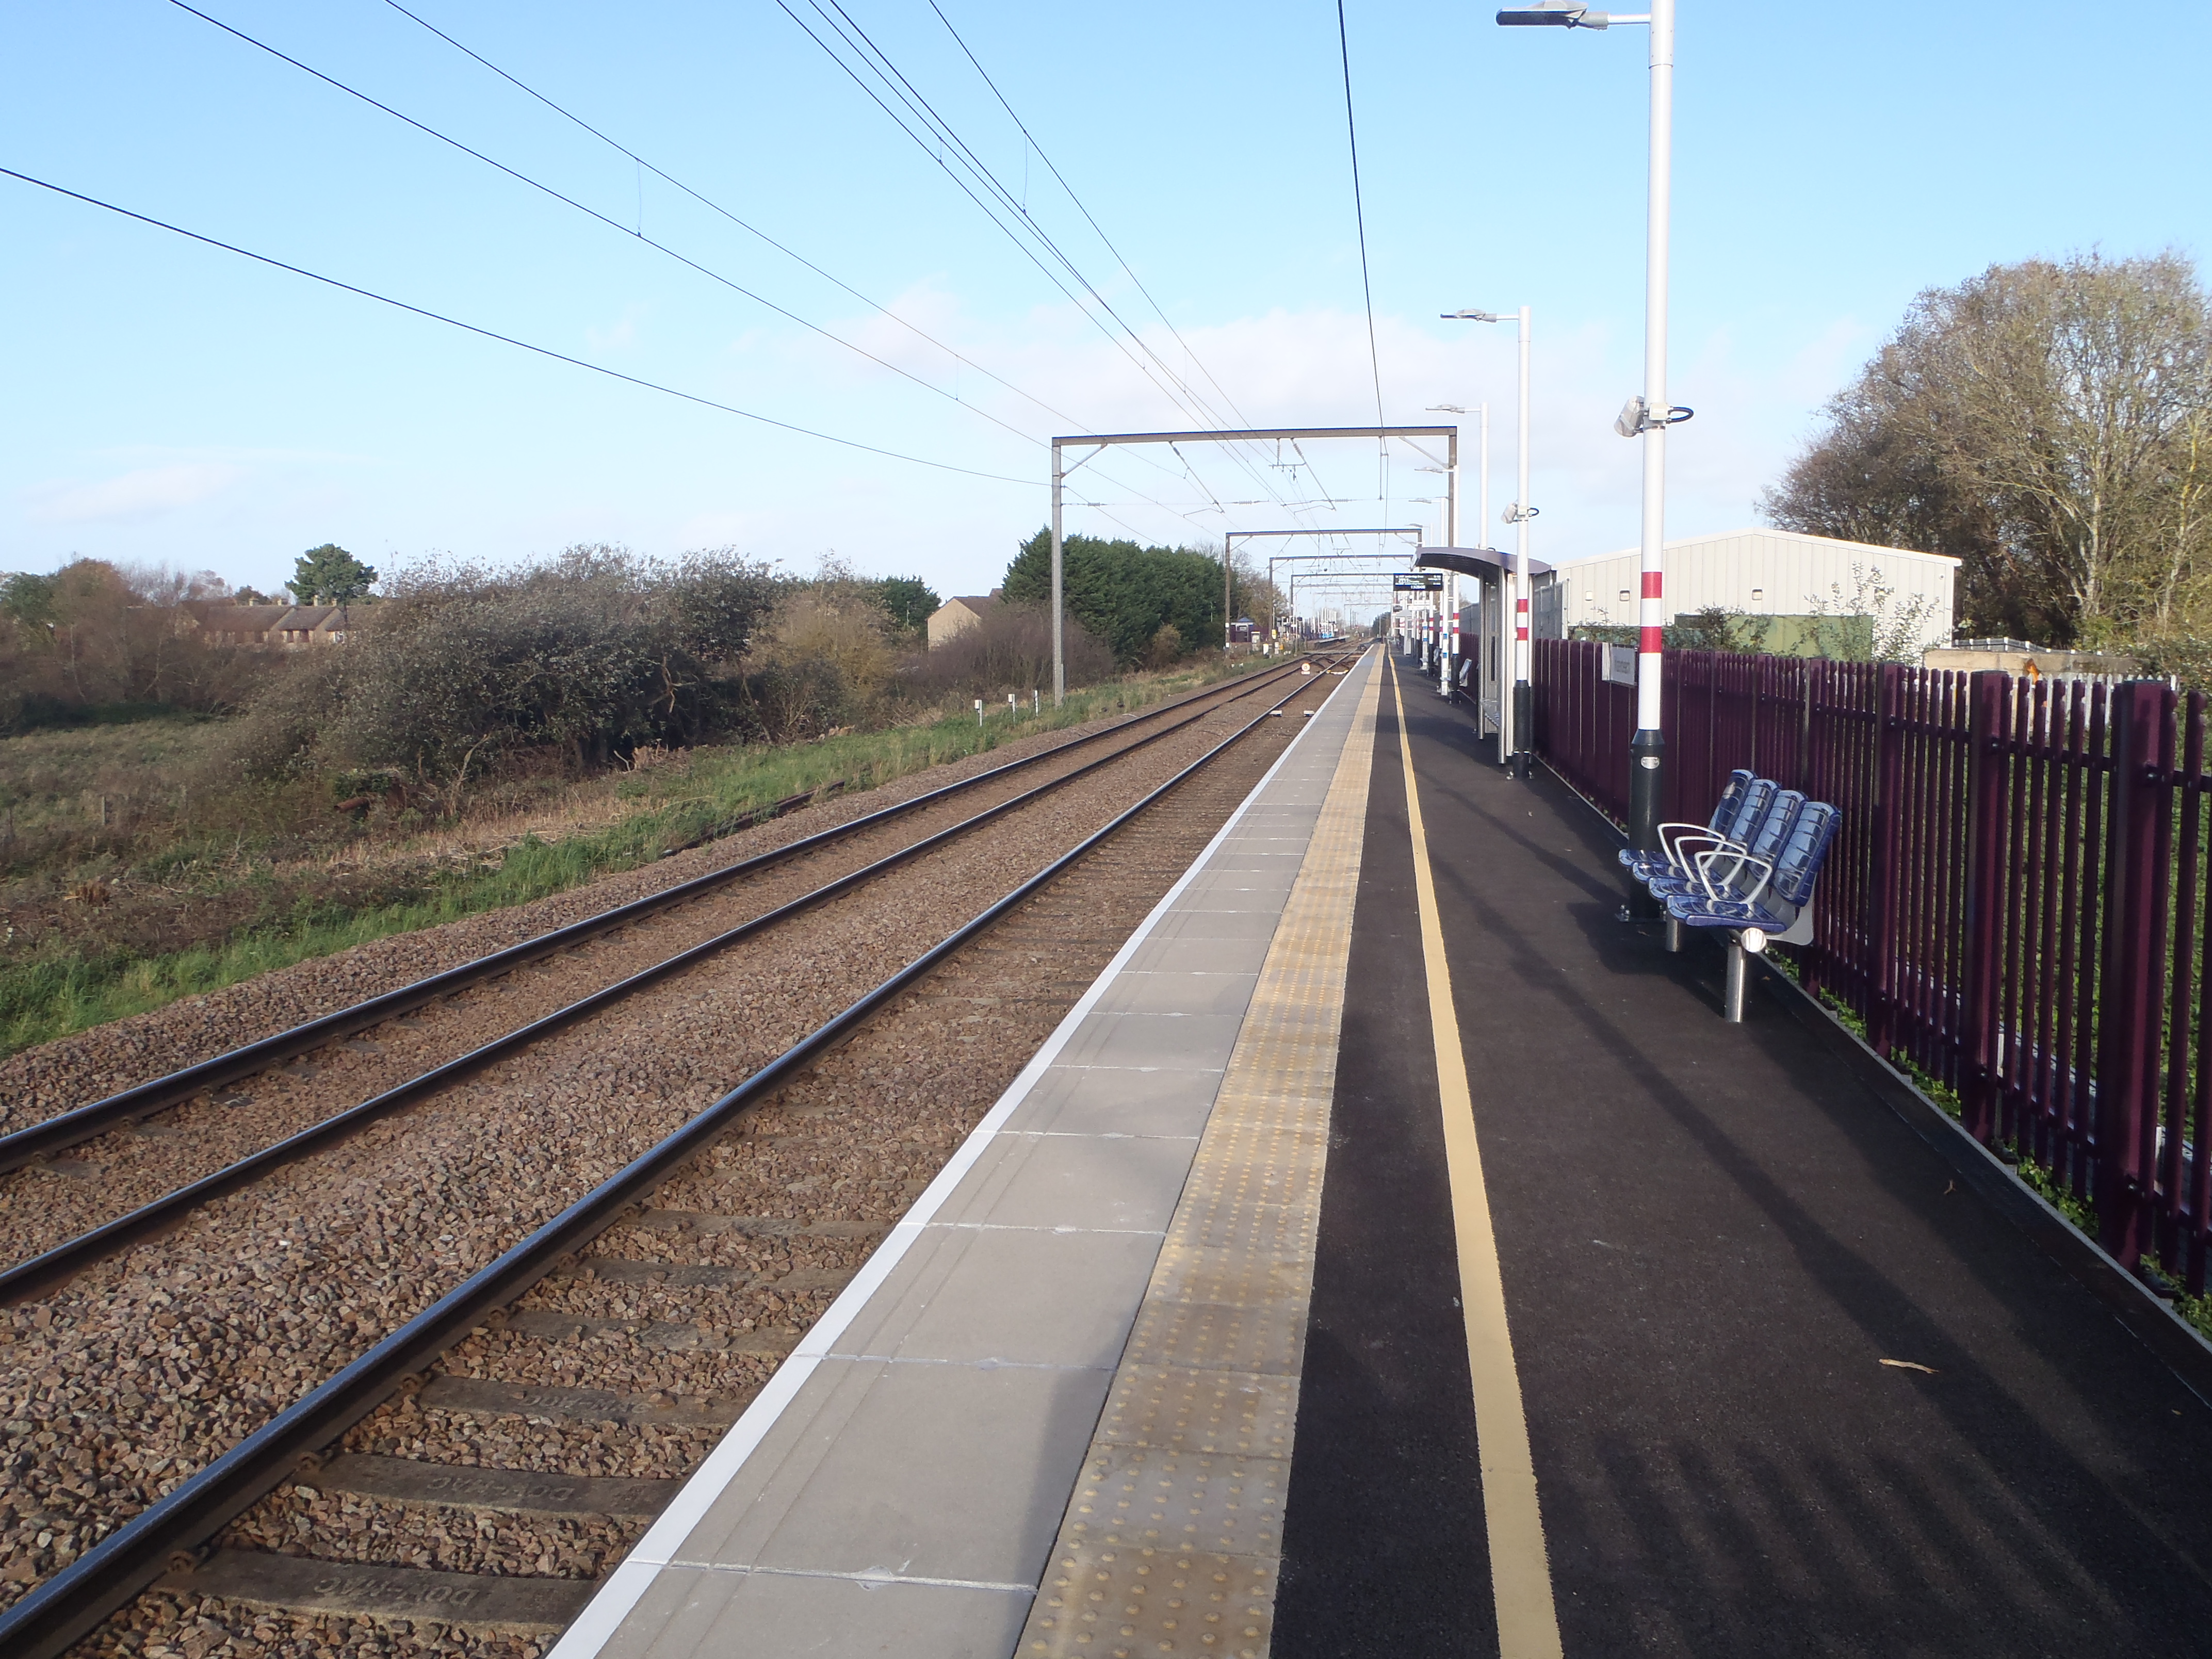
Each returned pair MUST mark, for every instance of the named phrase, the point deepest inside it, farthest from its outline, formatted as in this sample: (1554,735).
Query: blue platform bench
(1747,872)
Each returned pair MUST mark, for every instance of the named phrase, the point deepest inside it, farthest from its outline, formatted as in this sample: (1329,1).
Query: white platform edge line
(603,1614)
(866,1580)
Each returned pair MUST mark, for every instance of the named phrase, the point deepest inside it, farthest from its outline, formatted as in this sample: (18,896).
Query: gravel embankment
(121,1383)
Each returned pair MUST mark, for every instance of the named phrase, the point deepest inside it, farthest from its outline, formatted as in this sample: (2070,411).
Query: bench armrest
(1692,834)
(1743,861)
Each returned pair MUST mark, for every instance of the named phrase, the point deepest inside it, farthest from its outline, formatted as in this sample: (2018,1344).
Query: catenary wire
(1029,139)
(638,235)
(1359,217)
(872,55)
(507,339)
(879,63)
(718,208)
(714,206)
(1050,167)
(569,201)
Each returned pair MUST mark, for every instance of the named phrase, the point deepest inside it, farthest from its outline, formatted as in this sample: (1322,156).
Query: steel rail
(39,1141)
(62,1263)
(171,1531)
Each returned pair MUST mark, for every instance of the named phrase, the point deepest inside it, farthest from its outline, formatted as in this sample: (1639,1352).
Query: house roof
(241,618)
(978,602)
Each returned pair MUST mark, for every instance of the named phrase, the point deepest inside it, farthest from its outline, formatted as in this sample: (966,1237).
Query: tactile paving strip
(1178,1408)
(1173,1541)
(1130,1603)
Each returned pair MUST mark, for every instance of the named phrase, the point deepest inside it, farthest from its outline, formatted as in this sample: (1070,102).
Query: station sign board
(1417,581)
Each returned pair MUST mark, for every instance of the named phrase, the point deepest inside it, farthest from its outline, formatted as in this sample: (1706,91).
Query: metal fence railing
(2016,901)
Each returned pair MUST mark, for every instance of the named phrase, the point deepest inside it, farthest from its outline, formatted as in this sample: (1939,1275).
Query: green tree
(1122,592)
(909,600)
(329,575)
(27,599)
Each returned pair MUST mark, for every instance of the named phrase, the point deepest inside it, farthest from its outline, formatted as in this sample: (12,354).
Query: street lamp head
(1554,14)
(1470,317)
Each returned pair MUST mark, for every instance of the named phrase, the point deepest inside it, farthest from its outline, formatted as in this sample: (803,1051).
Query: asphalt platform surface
(1711,1236)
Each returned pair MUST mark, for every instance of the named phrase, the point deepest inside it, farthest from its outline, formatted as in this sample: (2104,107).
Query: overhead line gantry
(1098,442)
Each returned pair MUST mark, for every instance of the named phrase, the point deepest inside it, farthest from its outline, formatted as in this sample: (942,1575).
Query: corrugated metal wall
(1768,572)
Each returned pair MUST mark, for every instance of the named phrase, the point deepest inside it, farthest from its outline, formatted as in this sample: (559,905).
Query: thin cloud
(146,493)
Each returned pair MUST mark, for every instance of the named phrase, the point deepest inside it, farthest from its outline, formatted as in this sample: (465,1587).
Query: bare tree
(2040,421)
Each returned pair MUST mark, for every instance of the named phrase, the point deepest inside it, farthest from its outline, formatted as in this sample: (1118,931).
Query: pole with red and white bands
(1647,751)
(1524,701)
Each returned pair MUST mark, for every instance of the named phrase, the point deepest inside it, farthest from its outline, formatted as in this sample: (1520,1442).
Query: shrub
(1009,650)
(587,656)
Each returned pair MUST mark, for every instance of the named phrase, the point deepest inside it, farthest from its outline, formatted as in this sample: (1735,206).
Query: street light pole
(1647,750)
(1648,415)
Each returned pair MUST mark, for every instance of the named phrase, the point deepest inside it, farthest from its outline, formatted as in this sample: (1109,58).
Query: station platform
(1066,1379)
(1394,1254)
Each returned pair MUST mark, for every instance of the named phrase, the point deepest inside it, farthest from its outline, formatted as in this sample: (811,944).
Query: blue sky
(169,403)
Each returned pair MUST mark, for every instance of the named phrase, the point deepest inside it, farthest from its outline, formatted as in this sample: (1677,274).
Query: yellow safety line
(1520,1568)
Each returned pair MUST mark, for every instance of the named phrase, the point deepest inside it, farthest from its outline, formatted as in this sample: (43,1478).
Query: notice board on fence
(1618,666)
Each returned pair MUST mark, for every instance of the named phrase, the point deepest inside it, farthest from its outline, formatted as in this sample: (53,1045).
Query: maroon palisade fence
(2016,903)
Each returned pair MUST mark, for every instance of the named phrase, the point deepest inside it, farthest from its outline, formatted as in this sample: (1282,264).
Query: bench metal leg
(1739,969)
(1675,934)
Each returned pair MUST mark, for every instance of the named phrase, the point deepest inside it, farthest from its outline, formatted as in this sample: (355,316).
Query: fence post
(1888,849)
(1985,877)
(2127,1013)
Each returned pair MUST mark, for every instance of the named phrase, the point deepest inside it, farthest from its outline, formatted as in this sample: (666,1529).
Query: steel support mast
(1647,750)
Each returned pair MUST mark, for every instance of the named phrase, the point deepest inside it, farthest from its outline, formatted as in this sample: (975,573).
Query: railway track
(487,1501)
(146,1100)
(138,1173)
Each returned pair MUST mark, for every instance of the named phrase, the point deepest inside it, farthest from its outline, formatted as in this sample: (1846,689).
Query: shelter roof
(1471,560)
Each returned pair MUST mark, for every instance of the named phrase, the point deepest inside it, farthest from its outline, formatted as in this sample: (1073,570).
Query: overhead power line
(714,206)
(509,340)
(1029,138)
(1360,210)
(593,213)
(1009,215)
(638,235)
(902,88)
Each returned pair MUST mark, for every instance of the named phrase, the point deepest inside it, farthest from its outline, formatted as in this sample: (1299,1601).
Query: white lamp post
(1515,717)
(1649,414)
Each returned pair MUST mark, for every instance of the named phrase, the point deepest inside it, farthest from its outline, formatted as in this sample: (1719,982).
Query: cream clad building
(1760,572)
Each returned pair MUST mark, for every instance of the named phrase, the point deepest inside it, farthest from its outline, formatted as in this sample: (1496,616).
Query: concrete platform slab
(1184,1042)
(1007,1297)
(1179,991)
(701,1610)
(906,1472)
(1111,1100)
(1116,1183)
